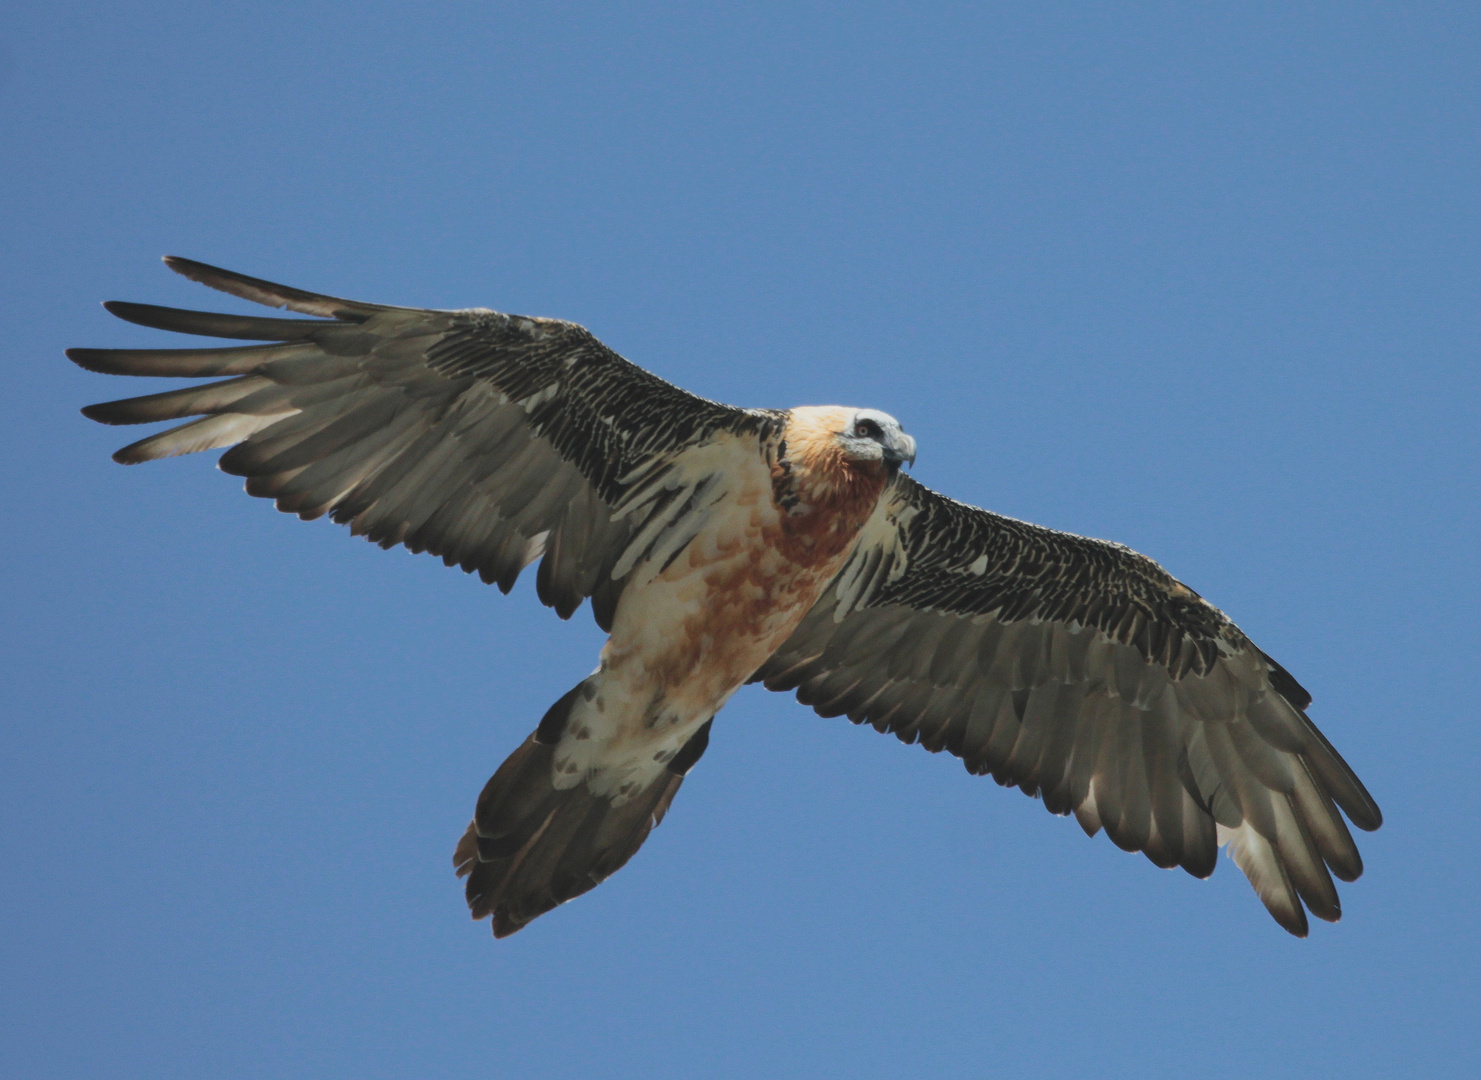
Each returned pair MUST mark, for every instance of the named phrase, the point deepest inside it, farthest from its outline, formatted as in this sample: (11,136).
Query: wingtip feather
(102,413)
(270,293)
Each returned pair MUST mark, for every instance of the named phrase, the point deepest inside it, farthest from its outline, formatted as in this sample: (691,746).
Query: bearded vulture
(721,545)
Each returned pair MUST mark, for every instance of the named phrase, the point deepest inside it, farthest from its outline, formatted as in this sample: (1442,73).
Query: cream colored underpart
(685,638)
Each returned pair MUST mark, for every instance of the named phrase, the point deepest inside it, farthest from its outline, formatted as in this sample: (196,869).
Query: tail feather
(532,846)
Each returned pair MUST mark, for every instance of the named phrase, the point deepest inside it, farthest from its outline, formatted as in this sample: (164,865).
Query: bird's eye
(866,429)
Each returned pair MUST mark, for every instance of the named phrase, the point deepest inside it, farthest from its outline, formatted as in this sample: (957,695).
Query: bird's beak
(900,449)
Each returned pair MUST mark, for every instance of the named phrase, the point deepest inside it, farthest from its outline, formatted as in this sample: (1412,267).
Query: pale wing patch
(211,433)
(1261,863)
(674,501)
(879,558)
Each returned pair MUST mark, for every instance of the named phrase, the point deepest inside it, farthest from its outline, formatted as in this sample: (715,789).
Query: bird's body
(692,627)
(721,545)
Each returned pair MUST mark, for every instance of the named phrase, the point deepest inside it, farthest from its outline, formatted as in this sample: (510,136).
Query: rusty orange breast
(825,496)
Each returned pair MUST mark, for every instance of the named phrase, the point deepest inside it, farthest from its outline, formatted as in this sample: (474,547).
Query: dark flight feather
(1097,682)
(475,436)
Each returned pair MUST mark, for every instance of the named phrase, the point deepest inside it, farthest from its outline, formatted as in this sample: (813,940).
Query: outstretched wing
(488,439)
(1086,675)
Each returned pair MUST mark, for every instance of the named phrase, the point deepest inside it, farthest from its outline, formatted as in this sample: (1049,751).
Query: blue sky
(1199,278)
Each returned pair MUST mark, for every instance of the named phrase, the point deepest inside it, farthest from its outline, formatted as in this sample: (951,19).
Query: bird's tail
(532,846)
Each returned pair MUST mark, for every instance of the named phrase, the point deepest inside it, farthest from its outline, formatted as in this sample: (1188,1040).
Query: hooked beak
(900,449)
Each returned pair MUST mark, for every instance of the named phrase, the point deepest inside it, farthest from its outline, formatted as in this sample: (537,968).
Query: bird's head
(834,448)
(871,435)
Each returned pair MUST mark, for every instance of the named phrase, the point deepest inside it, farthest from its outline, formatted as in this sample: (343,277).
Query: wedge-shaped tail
(531,846)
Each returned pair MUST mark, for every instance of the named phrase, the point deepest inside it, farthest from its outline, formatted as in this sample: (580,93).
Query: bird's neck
(824,496)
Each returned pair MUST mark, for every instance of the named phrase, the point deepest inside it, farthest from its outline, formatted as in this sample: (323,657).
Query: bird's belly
(693,634)
(684,640)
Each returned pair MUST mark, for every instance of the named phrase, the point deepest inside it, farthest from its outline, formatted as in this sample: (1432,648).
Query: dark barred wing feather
(1084,674)
(488,439)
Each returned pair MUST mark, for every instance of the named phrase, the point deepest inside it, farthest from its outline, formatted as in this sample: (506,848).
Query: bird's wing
(1086,675)
(488,439)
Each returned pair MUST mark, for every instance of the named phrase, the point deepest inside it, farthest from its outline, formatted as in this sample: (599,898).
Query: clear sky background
(1200,278)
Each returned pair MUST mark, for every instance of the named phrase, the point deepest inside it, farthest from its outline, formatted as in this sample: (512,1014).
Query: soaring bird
(720,545)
